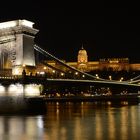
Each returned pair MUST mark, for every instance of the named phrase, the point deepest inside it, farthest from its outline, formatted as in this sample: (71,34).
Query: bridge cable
(52,67)
(39,49)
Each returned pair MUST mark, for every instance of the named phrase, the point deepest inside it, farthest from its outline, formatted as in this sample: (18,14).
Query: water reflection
(75,121)
(19,127)
(85,121)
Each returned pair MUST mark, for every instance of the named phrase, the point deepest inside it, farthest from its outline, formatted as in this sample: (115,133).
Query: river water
(75,121)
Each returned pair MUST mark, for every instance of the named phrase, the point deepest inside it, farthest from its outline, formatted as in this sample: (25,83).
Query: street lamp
(110,77)
(83,76)
(23,65)
(44,68)
(121,79)
(62,74)
(96,75)
(76,73)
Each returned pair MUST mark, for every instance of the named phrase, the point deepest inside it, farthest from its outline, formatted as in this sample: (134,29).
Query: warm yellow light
(2,90)
(62,74)
(110,77)
(114,61)
(83,76)
(44,68)
(12,88)
(42,72)
(32,90)
(96,75)
(53,71)
(40,122)
(16,72)
(15,90)
(121,79)
(76,73)
(57,94)
(23,65)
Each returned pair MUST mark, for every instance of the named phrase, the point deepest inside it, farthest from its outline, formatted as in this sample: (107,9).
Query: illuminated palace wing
(45,53)
(95,78)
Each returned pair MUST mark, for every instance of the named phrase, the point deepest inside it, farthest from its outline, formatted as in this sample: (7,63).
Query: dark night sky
(106,29)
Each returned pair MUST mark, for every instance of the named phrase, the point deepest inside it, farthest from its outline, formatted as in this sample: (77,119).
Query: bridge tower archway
(17,45)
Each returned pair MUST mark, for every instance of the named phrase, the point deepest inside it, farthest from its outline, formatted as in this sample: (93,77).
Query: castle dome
(82,51)
(82,55)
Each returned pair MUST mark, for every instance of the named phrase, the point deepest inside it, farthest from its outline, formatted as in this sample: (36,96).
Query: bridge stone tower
(17,46)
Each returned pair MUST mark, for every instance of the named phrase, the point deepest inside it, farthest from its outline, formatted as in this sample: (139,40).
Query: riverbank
(22,105)
(114,98)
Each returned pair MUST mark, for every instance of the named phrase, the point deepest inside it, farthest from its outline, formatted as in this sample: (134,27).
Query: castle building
(82,59)
(106,64)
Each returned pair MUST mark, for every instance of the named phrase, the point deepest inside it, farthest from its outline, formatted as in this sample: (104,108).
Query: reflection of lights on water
(15,126)
(40,122)
(78,130)
(34,126)
(1,125)
(25,127)
(82,103)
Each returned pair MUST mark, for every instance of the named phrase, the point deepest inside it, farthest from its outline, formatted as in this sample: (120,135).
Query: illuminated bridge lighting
(15,90)
(32,90)
(2,90)
(95,81)
(20,90)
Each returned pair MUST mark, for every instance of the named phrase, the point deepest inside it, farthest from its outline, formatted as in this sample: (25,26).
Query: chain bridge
(18,59)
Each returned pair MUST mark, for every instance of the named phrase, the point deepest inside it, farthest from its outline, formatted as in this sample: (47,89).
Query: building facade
(106,64)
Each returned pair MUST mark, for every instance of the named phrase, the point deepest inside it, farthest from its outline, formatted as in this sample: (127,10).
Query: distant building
(82,60)
(106,64)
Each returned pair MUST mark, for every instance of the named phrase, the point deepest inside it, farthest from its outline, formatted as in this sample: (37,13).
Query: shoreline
(21,105)
(114,98)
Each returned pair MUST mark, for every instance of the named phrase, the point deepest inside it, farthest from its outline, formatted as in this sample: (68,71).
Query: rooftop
(15,23)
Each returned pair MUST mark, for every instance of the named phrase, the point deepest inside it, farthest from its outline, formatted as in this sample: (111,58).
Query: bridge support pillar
(17,45)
